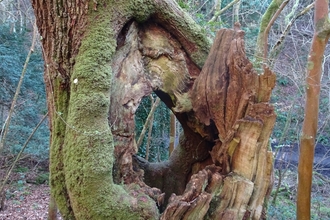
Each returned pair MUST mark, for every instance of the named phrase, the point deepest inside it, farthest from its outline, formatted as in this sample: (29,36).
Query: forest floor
(27,192)
(26,202)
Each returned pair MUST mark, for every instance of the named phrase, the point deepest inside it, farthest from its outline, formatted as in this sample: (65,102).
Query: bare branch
(218,13)
(153,108)
(200,8)
(18,157)
(18,89)
(278,12)
(279,42)
(149,131)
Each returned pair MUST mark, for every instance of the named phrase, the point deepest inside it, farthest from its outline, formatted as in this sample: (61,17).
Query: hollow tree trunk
(101,58)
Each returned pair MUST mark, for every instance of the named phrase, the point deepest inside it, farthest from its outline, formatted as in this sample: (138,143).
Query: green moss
(192,32)
(170,81)
(267,16)
(88,145)
(142,9)
(42,178)
(88,152)
(310,65)
(57,178)
(183,103)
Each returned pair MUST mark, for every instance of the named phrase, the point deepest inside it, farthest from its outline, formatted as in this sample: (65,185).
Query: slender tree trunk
(148,120)
(52,209)
(308,136)
(172,132)
(262,46)
(149,131)
(236,12)
(218,13)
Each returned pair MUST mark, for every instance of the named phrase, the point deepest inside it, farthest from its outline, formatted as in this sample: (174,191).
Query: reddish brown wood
(309,130)
(229,95)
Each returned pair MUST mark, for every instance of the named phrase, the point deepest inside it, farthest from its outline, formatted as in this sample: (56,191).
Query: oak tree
(101,59)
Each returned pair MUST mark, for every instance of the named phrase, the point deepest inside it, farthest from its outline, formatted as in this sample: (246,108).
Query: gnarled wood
(101,61)
(231,95)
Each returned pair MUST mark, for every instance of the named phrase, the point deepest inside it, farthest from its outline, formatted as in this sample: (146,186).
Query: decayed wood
(243,159)
(194,202)
(150,59)
(129,86)
(229,94)
(234,197)
(221,88)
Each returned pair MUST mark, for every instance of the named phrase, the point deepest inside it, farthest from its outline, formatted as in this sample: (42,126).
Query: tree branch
(17,158)
(274,51)
(278,12)
(151,113)
(267,16)
(218,13)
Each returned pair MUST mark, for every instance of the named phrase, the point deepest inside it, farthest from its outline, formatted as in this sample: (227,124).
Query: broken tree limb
(231,96)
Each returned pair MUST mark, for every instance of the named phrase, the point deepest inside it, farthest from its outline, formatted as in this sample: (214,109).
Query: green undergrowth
(284,207)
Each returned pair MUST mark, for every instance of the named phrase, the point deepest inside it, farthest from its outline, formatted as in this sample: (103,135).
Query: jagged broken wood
(230,94)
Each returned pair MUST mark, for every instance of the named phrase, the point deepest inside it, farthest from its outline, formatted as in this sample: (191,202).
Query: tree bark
(309,129)
(101,58)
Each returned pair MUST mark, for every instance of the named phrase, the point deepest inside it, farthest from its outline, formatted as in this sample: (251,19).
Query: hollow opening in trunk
(155,132)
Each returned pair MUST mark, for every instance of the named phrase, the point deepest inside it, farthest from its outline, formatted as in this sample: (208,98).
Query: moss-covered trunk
(101,58)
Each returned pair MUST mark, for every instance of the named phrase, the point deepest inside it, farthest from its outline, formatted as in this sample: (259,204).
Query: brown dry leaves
(28,202)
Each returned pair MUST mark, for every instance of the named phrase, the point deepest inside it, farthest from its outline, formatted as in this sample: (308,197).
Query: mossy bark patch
(88,148)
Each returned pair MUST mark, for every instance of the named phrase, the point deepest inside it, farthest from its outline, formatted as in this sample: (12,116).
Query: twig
(200,8)
(153,108)
(287,28)
(270,24)
(322,177)
(19,155)
(3,128)
(218,13)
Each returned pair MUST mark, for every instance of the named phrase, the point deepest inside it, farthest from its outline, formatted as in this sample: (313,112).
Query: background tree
(309,130)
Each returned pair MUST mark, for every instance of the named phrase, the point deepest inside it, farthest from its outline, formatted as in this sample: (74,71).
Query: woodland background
(288,62)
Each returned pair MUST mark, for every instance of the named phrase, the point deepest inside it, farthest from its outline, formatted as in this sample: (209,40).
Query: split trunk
(101,59)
